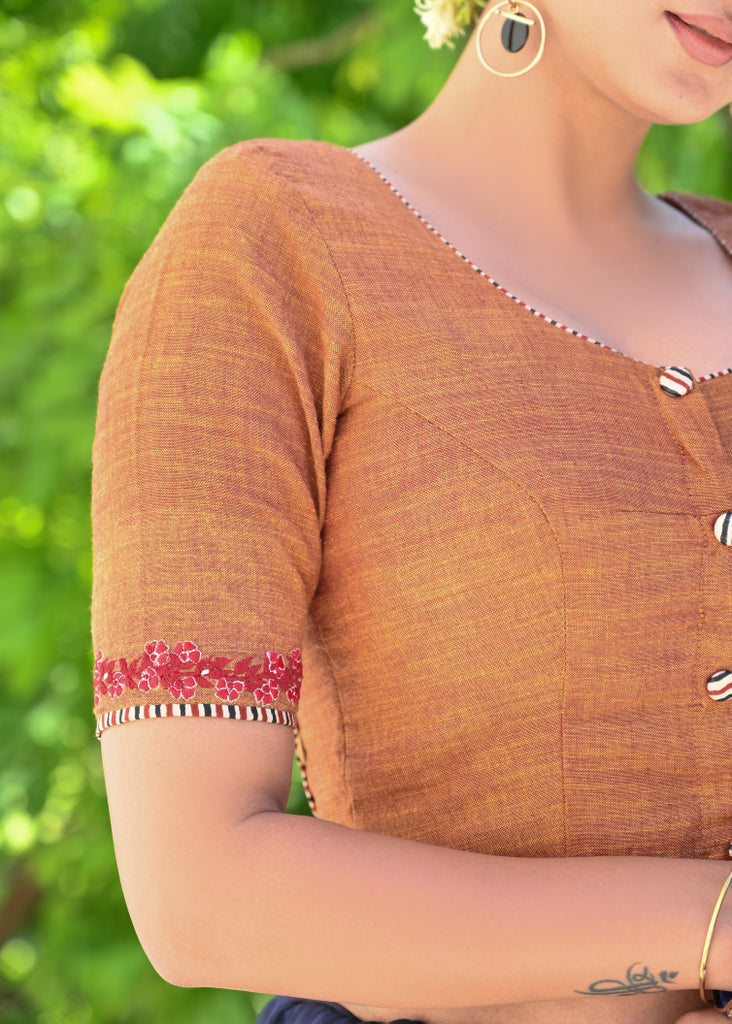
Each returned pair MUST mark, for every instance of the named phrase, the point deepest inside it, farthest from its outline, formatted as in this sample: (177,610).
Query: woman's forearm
(304,907)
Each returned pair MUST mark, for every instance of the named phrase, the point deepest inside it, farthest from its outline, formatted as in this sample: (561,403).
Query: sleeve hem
(192,678)
(137,712)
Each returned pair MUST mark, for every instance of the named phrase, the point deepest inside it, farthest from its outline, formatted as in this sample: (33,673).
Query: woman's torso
(677,314)
(653,321)
(519,549)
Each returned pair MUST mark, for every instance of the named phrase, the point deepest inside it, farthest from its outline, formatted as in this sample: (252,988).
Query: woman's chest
(663,305)
(520,533)
(667,316)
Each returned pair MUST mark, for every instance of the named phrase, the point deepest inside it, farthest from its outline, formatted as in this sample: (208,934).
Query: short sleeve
(218,400)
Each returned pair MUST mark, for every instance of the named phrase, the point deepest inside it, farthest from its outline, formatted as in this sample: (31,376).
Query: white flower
(439,18)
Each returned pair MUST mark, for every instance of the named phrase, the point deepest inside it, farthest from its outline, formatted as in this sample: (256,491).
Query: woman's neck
(553,152)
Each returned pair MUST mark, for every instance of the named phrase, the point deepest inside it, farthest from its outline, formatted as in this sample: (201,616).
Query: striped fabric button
(723,528)
(719,686)
(676,381)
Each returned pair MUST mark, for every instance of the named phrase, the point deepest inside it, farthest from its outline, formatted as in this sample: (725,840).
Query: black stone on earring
(514,35)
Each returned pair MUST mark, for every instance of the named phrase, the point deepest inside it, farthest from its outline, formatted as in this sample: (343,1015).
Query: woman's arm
(225,890)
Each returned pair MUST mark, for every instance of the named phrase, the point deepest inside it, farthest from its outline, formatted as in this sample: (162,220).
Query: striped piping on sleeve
(140,711)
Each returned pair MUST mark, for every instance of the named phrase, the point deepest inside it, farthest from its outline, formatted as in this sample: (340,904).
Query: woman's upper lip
(721,28)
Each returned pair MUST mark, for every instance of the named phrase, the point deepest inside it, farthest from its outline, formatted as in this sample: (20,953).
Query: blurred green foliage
(109,107)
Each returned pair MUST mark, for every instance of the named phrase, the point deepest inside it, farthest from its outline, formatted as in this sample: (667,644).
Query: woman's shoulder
(272,200)
(274,170)
(286,195)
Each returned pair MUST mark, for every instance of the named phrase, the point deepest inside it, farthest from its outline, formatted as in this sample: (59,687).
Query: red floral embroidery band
(185,672)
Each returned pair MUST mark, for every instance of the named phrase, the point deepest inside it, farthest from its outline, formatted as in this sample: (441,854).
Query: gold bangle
(708,940)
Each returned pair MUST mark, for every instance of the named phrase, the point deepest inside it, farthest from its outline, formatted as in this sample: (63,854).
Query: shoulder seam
(344,291)
(276,161)
(280,161)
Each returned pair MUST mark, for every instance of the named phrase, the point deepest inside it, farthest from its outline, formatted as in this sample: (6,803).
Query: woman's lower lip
(699,45)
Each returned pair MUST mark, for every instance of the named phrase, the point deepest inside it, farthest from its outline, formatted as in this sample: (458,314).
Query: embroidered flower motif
(149,680)
(108,681)
(445,19)
(183,669)
(181,689)
(275,664)
(187,653)
(293,693)
(158,652)
(293,680)
(117,686)
(267,692)
(102,674)
(229,689)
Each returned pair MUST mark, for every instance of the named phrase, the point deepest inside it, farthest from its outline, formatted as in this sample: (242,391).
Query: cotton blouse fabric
(332,454)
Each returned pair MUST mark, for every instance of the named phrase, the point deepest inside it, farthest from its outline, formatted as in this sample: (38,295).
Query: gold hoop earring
(514,33)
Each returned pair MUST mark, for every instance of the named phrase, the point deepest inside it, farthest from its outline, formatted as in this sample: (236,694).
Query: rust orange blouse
(496,555)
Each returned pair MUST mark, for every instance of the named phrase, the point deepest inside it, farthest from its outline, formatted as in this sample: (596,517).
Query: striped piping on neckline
(141,711)
(525,305)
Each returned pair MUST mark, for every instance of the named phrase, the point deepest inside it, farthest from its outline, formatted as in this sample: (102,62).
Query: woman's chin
(688,104)
(690,99)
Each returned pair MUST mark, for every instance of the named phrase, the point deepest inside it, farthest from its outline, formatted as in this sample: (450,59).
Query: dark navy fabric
(291,1010)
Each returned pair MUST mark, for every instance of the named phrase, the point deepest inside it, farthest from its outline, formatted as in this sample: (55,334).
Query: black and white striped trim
(719,373)
(139,711)
(303,773)
(670,197)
